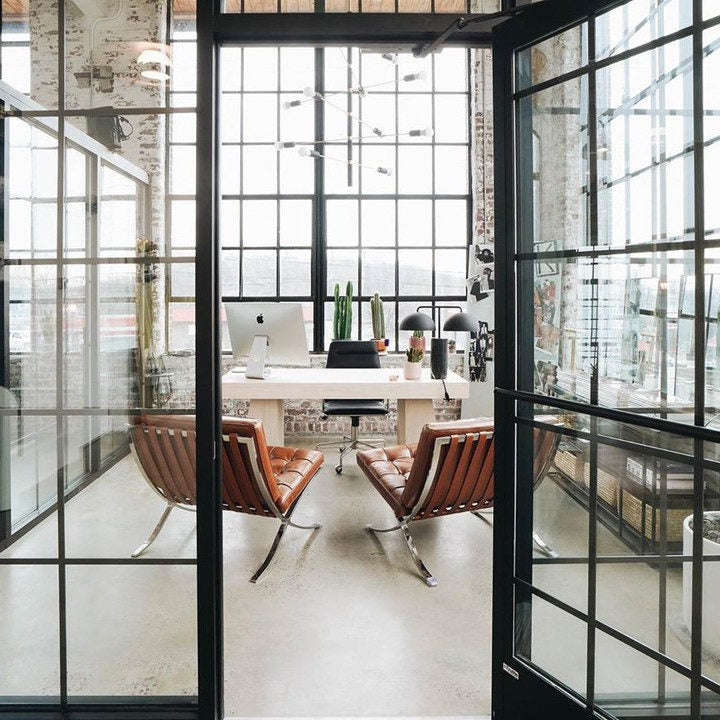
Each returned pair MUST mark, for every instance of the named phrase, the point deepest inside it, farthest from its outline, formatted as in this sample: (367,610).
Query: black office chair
(353,354)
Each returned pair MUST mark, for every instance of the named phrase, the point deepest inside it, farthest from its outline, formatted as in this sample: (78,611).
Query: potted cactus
(413,363)
(342,317)
(417,340)
(378,322)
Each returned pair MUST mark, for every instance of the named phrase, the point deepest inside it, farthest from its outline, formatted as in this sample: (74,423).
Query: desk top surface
(351,383)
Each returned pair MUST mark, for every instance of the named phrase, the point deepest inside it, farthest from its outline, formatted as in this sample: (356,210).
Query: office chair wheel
(338,469)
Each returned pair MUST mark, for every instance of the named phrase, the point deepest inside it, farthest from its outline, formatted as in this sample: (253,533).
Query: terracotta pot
(380,345)
(412,370)
(417,342)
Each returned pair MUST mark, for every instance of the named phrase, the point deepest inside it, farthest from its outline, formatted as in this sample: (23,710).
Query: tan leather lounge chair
(257,479)
(450,470)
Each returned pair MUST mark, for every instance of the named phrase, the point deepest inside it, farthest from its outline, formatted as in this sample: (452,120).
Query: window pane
(342,222)
(229,170)
(451,118)
(378,272)
(260,117)
(378,222)
(259,273)
(451,70)
(415,272)
(182,220)
(259,170)
(260,69)
(414,222)
(451,222)
(342,265)
(297,174)
(450,272)
(296,222)
(230,223)
(295,272)
(414,113)
(259,223)
(415,170)
(182,170)
(451,170)
(297,68)
(230,118)
(230,273)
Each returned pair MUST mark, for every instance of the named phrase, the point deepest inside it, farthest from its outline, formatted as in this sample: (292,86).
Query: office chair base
(349,444)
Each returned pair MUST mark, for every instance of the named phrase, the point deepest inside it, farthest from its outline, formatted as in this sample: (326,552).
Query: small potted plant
(413,363)
(417,340)
(378,322)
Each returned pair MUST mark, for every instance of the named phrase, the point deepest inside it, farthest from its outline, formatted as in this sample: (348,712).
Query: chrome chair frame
(285,519)
(428,577)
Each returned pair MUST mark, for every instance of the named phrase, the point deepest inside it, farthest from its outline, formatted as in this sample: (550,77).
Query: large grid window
(294,225)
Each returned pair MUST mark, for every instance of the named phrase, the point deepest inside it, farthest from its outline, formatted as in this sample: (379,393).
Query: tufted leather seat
(463,480)
(293,469)
(388,470)
(256,478)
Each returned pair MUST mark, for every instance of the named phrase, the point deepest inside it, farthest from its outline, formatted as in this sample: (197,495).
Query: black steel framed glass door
(606,153)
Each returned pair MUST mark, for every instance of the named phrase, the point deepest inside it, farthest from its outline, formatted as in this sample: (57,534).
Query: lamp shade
(417,321)
(461,322)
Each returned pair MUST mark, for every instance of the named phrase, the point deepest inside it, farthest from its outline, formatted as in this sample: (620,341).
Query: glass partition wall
(616,305)
(92,250)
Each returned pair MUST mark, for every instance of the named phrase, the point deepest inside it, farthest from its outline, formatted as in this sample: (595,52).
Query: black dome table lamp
(459,322)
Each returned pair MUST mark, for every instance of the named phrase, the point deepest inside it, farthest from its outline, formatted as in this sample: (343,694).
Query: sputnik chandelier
(309,150)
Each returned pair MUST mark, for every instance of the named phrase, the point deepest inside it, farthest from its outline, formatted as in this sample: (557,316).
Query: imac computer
(267,332)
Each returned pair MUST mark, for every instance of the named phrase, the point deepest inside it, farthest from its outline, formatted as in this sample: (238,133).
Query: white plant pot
(711,589)
(413,370)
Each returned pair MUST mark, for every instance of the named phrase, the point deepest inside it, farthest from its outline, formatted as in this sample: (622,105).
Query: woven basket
(569,464)
(632,515)
(607,485)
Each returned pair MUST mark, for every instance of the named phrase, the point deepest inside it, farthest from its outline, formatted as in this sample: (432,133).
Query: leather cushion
(293,469)
(388,470)
(354,407)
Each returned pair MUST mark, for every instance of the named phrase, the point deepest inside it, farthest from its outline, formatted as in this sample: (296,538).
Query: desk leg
(412,415)
(272,415)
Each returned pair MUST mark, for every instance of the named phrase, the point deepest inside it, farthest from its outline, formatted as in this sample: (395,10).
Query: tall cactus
(378,317)
(336,313)
(342,315)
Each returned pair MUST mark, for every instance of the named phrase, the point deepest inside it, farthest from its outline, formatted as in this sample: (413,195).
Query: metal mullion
(318,269)
(93,297)
(593,228)
(433,283)
(672,455)
(207,377)
(605,251)
(360,201)
(97,561)
(277,171)
(698,486)
(59,369)
(622,416)
(241,189)
(396,182)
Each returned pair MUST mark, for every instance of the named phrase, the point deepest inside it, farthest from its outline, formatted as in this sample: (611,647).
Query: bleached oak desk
(414,397)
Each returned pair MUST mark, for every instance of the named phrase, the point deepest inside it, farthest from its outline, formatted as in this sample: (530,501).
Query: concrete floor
(340,624)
